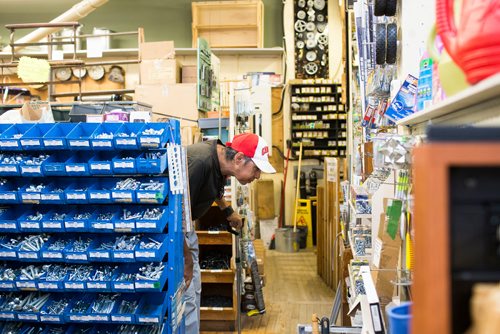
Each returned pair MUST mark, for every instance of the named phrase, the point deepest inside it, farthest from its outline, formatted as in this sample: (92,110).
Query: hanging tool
(297,193)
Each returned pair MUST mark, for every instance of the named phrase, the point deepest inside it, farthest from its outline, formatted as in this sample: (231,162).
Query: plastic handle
(445,20)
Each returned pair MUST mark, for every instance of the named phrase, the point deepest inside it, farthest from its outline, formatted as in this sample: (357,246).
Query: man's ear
(239,158)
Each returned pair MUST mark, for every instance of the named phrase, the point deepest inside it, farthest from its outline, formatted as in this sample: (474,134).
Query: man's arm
(233,218)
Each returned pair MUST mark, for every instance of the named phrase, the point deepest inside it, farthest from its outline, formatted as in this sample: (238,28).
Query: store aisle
(293,292)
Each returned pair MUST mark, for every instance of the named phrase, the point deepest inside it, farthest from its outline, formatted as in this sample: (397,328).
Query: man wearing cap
(210,164)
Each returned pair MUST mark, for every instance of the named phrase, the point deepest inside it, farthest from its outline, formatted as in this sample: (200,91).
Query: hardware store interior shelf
(476,105)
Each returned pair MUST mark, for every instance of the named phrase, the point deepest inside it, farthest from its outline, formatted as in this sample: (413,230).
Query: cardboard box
(189,74)
(157,50)
(160,71)
(177,100)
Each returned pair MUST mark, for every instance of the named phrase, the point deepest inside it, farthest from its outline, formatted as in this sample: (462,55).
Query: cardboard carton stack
(160,76)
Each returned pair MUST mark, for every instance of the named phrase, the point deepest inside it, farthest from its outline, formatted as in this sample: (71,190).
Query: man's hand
(235,221)
(188,265)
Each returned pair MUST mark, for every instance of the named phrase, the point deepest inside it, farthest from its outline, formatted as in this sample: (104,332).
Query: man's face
(245,171)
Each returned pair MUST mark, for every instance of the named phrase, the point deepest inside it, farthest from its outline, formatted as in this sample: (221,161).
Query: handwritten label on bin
(75,168)
(30,142)
(8,169)
(79,143)
(54,142)
(127,142)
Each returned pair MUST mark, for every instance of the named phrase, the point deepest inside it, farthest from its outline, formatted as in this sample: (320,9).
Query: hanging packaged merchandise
(424,92)
(403,103)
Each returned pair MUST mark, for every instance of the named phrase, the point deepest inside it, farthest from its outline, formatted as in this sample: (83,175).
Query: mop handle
(297,193)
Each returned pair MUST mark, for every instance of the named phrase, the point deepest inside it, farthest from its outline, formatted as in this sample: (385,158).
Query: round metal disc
(301,14)
(323,39)
(320,17)
(300,26)
(79,72)
(310,35)
(321,27)
(310,3)
(311,68)
(301,3)
(311,43)
(63,74)
(310,26)
(319,4)
(300,44)
(311,55)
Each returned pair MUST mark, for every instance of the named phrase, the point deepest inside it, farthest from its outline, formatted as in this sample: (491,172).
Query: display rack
(318,118)
(217,278)
(70,264)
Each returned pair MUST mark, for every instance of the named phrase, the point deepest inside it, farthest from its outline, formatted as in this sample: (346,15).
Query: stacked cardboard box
(160,87)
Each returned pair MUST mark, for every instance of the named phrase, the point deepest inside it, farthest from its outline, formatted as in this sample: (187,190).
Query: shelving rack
(216,281)
(59,212)
(318,118)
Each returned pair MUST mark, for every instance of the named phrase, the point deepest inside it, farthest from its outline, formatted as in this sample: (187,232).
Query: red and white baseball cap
(255,148)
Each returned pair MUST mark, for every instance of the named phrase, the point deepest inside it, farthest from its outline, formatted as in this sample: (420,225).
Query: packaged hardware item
(403,103)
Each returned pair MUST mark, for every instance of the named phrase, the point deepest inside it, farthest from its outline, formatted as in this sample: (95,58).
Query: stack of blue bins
(90,231)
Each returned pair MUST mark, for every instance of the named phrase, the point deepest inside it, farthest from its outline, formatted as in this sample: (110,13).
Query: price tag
(8,226)
(31,169)
(51,197)
(100,255)
(123,255)
(8,254)
(8,169)
(100,286)
(30,197)
(5,285)
(76,196)
(49,318)
(27,317)
(28,255)
(30,225)
(103,226)
(148,320)
(9,143)
(52,225)
(7,196)
(121,318)
(26,285)
(49,255)
(100,166)
(74,286)
(106,143)
(213,232)
(145,225)
(100,196)
(6,315)
(48,286)
(55,142)
(144,254)
(124,286)
(76,256)
(150,140)
(74,224)
(146,195)
(124,225)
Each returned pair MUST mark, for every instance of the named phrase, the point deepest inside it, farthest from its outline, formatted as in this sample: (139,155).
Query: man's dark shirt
(206,182)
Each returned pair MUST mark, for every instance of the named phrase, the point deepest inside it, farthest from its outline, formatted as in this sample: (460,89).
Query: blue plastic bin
(99,223)
(8,219)
(122,196)
(46,317)
(6,284)
(97,253)
(77,191)
(55,138)
(100,285)
(128,141)
(30,196)
(78,164)
(9,139)
(25,284)
(73,223)
(31,170)
(29,225)
(101,163)
(125,162)
(104,143)
(53,193)
(152,308)
(100,190)
(55,165)
(123,255)
(72,316)
(10,169)
(152,162)
(124,318)
(142,285)
(124,286)
(400,318)
(54,255)
(123,224)
(158,196)
(9,191)
(154,226)
(154,140)
(79,137)
(74,284)
(33,138)
(45,284)
(152,254)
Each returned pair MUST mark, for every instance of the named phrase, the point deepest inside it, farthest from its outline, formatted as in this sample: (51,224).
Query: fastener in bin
(150,272)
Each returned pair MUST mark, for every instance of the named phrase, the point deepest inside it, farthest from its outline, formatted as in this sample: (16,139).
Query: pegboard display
(311,39)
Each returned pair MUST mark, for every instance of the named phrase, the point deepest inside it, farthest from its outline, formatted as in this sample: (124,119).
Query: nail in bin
(56,137)
(33,138)
(152,162)
(79,137)
(101,163)
(155,135)
(102,138)
(9,139)
(126,136)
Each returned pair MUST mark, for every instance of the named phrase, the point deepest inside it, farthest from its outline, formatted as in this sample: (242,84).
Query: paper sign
(33,69)
(57,55)
(95,46)
(377,252)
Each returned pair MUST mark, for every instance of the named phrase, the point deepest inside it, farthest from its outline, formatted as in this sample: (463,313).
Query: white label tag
(74,224)
(76,256)
(150,140)
(7,196)
(72,168)
(144,254)
(121,318)
(31,197)
(217,309)
(51,286)
(142,285)
(98,318)
(4,285)
(123,255)
(123,164)
(8,169)
(6,315)
(79,143)
(49,318)
(122,195)
(51,197)
(28,255)
(30,225)
(76,196)
(52,225)
(124,286)
(213,232)
(377,252)
(141,195)
(99,255)
(9,143)
(103,226)
(30,142)
(100,195)
(7,226)
(124,225)
(106,143)
(8,254)
(73,286)
(55,142)
(102,166)
(145,225)
(126,142)
(27,316)
(148,320)
(49,255)
(26,285)
(31,169)
(100,286)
